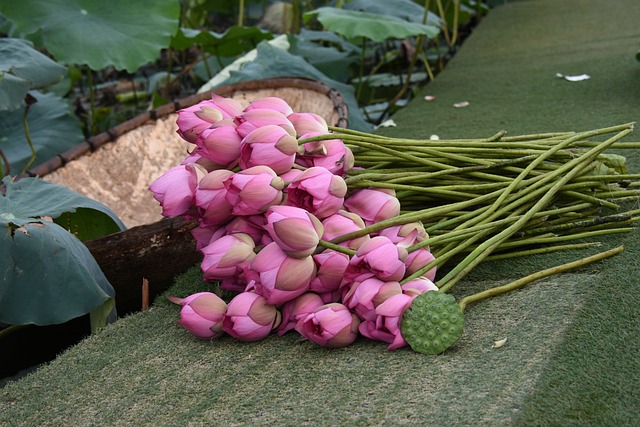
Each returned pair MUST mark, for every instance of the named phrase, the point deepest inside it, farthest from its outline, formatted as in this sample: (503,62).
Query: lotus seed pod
(432,323)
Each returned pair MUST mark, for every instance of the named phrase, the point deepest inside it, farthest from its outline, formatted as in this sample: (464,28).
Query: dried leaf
(499,343)
(576,78)
(387,124)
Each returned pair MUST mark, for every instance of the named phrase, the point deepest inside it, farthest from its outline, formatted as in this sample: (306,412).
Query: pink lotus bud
(237,283)
(175,189)
(196,157)
(296,231)
(250,318)
(253,225)
(363,297)
(418,259)
(331,325)
(254,119)
(253,190)
(379,256)
(221,146)
(278,277)
(386,325)
(418,286)
(290,175)
(228,106)
(305,123)
(349,282)
(213,208)
(330,154)
(202,314)
(331,266)
(318,191)
(341,223)
(296,309)
(227,256)
(406,234)
(329,297)
(373,204)
(192,157)
(270,103)
(205,235)
(219,111)
(268,145)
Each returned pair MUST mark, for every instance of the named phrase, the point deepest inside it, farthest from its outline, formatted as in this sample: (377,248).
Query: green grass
(571,356)
(145,369)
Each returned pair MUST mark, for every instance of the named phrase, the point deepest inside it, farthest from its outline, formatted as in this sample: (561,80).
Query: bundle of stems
(498,197)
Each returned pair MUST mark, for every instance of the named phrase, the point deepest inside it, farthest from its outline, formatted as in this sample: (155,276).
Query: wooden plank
(157,252)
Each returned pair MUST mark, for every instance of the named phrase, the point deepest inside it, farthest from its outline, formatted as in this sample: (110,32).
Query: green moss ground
(572,352)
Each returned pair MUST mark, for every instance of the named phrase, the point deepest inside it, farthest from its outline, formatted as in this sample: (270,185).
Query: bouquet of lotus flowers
(337,233)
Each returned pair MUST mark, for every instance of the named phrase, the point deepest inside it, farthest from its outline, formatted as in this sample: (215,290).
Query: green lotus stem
(27,135)
(633,198)
(518,180)
(449,155)
(578,224)
(589,182)
(591,199)
(537,136)
(92,129)
(621,145)
(545,250)
(514,201)
(537,276)
(462,170)
(4,172)
(347,131)
(455,171)
(411,66)
(613,227)
(451,250)
(495,151)
(415,188)
(538,182)
(403,155)
(572,168)
(617,194)
(454,32)
(551,239)
(361,69)
(457,235)
(415,216)
(336,248)
(489,212)
(241,13)
(546,138)
(445,27)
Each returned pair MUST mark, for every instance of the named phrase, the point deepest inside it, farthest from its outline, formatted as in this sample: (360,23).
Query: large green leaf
(331,60)
(373,26)
(272,61)
(408,10)
(23,68)
(52,125)
(28,199)
(235,41)
(12,91)
(124,34)
(47,276)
